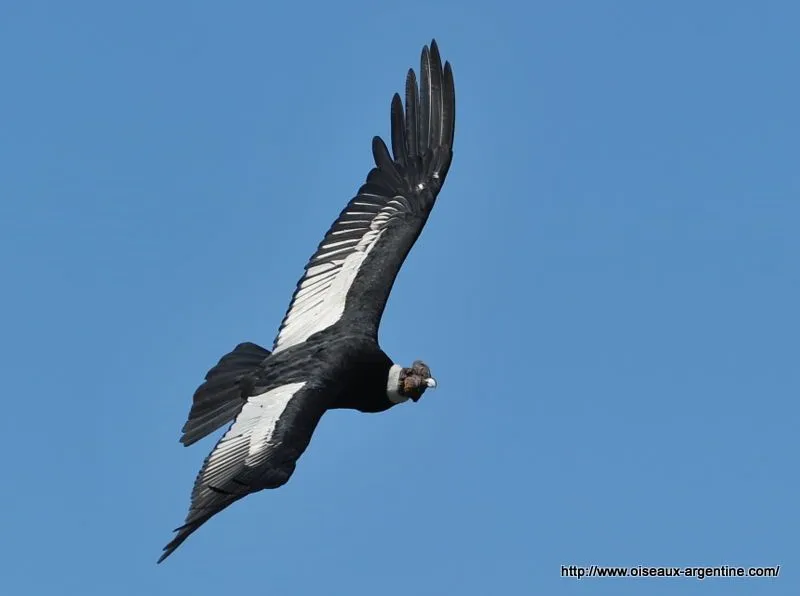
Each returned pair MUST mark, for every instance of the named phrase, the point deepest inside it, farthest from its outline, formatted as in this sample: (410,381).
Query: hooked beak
(430,383)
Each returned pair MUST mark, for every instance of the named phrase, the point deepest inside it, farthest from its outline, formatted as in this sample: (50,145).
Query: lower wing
(259,451)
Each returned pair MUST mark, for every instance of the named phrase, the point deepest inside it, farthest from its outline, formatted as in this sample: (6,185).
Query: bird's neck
(393,385)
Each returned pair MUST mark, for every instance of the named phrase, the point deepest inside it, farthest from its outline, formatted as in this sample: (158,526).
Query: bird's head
(413,381)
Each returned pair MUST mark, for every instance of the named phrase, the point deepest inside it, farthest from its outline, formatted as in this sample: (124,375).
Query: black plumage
(326,354)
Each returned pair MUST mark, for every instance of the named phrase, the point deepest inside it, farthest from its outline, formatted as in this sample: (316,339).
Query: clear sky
(607,292)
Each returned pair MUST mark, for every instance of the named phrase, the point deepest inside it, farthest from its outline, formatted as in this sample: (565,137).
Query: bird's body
(326,355)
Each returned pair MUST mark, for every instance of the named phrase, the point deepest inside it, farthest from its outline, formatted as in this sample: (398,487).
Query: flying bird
(326,354)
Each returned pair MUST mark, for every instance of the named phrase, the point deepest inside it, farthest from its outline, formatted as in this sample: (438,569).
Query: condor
(326,354)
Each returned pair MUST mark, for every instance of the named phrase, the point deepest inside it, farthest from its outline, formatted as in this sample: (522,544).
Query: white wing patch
(247,442)
(319,300)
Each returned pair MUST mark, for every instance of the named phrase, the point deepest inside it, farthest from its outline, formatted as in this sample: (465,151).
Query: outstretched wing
(259,451)
(351,274)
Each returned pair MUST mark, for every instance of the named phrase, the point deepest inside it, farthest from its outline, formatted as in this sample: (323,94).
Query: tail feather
(227,386)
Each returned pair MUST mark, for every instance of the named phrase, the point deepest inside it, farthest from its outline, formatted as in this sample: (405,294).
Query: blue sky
(606,291)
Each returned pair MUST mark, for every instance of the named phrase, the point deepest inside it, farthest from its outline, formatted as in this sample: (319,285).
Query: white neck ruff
(393,384)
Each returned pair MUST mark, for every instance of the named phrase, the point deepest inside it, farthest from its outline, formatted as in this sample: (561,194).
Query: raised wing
(353,270)
(259,451)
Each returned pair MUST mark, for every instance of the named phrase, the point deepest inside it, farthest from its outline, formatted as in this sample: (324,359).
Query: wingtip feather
(426,122)
(184,532)
(399,141)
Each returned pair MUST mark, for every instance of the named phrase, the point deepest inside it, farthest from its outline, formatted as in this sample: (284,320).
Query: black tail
(228,385)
